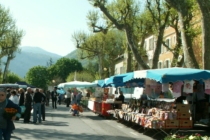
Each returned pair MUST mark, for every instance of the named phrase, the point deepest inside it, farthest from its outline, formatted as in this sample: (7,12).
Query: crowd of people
(30,105)
(26,103)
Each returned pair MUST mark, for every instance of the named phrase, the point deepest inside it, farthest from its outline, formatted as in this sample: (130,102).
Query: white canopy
(76,84)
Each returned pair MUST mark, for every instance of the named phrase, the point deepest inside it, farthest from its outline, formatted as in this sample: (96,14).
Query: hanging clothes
(188,86)
(207,84)
(177,88)
(165,87)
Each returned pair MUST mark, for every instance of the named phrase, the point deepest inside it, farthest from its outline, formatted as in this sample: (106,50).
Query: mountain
(75,55)
(30,57)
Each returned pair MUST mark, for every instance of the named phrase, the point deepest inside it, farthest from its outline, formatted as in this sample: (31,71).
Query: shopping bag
(80,109)
(23,108)
(32,110)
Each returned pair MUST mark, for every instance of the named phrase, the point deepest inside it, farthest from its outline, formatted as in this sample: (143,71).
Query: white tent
(76,84)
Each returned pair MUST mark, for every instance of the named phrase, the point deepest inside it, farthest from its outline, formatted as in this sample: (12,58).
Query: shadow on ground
(59,135)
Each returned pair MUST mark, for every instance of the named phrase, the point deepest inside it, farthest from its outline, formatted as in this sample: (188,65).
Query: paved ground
(61,125)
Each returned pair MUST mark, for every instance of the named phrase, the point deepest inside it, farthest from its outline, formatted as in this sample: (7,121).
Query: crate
(183,116)
(185,124)
(183,107)
(169,124)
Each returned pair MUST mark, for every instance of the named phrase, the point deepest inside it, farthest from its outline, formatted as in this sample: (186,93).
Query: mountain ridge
(28,58)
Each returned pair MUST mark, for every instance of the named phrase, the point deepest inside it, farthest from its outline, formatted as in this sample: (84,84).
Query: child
(75,108)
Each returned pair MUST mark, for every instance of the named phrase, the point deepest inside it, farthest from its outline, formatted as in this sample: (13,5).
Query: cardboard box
(183,116)
(171,124)
(183,107)
(185,124)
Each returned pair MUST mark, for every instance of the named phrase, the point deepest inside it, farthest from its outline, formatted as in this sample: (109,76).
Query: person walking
(37,105)
(6,124)
(43,104)
(78,98)
(21,98)
(54,96)
(47,98)
(28,104)
(68,98)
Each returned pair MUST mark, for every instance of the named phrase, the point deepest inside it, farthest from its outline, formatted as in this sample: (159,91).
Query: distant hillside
(30,57)
(74,55)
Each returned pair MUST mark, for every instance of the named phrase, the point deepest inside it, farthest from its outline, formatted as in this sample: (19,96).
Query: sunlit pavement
(61,125)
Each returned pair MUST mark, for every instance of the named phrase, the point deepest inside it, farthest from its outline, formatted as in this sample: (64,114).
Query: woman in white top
(14,98)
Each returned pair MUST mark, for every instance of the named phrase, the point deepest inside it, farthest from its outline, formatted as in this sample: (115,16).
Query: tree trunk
(158,48)
(6,69)
(177,48)
(189,57)
(204,6)
(100,66)
(133,47)
(182,8)
(129,59)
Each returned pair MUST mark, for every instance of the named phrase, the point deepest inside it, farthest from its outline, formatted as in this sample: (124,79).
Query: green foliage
(92,68)
(102,47)
(63,67)
(13,78)
(38,76)
(186,137)
(81,76)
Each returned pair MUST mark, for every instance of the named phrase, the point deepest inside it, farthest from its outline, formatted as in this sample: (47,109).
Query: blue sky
(49,24)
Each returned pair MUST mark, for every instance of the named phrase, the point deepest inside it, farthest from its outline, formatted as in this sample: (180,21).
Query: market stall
(162,106)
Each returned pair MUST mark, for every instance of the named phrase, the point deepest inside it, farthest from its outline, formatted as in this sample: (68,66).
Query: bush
(191,137)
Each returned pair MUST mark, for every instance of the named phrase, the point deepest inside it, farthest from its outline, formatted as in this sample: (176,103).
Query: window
(159,65)
(167,64)
(151,44)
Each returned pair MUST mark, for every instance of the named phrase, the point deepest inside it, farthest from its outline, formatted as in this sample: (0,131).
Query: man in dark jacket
(43,103)
(28,104)
(37,100)
(54,96)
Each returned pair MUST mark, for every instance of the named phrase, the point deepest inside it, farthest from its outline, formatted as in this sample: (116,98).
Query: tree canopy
(38,76)
(63,67)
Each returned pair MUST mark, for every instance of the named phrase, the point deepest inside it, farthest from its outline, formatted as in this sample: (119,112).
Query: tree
(38,76)
(81,76)
(50,62)
(125,16)
(12,78)
(185,12)
(160,14)
(63,67)
(92,68)
(12,42)
(102,47)
(7,25)
(204,6)
(10,37)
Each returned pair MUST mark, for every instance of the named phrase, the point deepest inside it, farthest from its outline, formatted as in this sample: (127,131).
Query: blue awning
(117,80)
(101,83)
(173,74)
